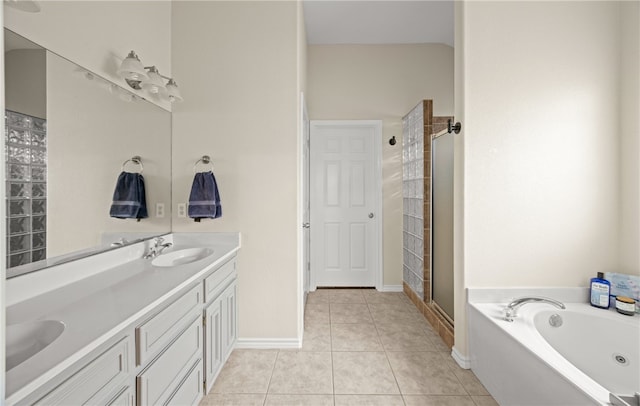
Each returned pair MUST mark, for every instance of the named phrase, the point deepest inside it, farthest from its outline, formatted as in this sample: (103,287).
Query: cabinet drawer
(100,376)
(156,333)
(215,283)
(124,398)
(190,390)
(161,378)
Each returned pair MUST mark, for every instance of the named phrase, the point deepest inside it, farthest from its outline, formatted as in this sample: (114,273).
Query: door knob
(370,215)
(306,225)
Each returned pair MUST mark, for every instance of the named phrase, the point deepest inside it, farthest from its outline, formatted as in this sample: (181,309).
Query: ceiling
(379,22)
(370,22)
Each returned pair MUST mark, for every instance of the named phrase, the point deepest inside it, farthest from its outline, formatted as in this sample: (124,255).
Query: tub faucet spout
(511,311)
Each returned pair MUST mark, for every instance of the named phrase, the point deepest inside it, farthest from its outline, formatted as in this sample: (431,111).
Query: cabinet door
(213,341)
(229,320)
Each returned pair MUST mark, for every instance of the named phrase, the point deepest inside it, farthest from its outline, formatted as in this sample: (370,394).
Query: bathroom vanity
(133,331)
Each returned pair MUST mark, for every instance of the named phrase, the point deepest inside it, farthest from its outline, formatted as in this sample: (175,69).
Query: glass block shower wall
(26,188)
(413,172)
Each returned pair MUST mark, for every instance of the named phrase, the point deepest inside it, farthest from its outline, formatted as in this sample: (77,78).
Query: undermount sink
(24,340)
(181,257)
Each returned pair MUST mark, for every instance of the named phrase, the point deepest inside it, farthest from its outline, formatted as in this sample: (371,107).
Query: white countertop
(97,308)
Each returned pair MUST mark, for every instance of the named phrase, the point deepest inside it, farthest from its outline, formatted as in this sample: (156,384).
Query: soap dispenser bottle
(599,291)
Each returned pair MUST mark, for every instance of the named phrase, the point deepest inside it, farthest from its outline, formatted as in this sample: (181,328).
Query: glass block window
(26,188)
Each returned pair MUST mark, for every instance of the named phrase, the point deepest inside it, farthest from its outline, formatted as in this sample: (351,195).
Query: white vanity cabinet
(169,354)
(220,315)
(178,363)
(101,381)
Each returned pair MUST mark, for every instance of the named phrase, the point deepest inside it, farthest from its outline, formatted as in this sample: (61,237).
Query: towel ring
(206,159)
(136,160)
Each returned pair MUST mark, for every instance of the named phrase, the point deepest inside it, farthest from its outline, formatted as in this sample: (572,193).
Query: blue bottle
(599,291)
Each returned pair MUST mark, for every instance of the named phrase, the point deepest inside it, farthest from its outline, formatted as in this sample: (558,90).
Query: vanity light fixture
(148,78)
(132,70)
(173,92)
(154,84)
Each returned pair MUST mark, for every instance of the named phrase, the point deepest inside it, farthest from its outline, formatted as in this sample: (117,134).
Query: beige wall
(541,143)
(98,35)
(381,82)
(26,82)
(239,67)
(630,138)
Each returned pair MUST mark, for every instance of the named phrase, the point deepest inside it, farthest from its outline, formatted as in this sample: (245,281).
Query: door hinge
(308,266)
(204,320)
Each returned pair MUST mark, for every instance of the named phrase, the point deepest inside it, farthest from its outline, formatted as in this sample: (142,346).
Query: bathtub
(529,362)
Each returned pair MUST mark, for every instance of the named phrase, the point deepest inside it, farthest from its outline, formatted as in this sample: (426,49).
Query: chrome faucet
(511,311)
(157,248)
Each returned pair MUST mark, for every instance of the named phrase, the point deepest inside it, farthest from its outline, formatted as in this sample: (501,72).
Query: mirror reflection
(68,133)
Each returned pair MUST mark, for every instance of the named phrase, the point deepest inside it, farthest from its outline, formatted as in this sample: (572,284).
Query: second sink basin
(181,257)
(25,340)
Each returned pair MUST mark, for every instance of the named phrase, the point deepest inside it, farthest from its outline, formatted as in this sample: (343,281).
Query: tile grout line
(459,381)
(333,372)
(386,355)
(264,402)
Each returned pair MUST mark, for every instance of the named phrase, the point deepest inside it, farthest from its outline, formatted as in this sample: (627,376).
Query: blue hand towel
(129,200)
(204,200)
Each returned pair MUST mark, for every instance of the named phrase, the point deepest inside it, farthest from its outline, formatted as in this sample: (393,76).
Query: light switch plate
(182,210)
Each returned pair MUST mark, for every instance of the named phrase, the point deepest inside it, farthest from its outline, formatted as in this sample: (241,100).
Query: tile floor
(360,347)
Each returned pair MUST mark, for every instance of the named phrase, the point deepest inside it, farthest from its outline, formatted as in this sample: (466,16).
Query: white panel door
(345,203)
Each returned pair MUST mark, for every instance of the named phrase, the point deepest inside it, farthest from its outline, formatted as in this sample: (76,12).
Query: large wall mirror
(68,134)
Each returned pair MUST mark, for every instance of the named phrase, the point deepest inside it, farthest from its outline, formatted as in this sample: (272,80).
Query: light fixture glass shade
(132,69)
(173,92)
(154,84)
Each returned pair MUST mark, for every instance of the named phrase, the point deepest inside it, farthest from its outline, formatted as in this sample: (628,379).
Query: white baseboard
(462,360)
(391,288)
(268,343)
